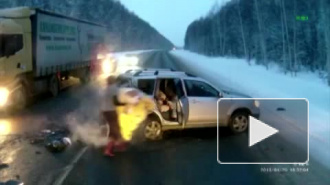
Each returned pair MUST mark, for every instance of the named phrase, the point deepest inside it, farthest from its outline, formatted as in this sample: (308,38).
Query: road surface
(183,157)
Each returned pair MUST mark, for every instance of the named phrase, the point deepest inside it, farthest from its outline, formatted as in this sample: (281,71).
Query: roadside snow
(255,81)
(130,53)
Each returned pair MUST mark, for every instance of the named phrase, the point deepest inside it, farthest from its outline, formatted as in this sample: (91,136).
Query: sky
(171,17)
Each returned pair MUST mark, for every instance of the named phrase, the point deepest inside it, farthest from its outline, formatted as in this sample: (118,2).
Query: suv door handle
(195,101)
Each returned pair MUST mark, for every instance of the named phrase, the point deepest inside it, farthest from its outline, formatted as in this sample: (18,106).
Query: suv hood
(232,94)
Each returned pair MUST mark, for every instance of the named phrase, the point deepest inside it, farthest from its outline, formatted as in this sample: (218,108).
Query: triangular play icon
(259,131)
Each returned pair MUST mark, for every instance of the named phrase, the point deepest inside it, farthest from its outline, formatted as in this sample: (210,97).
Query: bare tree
(287,36)
(261,36)
(224,32)
(284,57)
(325,21)
(294,62)
(242,30)
(219,35)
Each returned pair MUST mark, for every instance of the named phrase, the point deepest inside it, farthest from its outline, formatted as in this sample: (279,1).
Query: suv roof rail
(160,72)
(191,75)
(156,69)
(128,71)
(137,73)
(169,72)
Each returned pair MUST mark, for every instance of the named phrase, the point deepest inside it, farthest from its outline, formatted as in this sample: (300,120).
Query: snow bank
(255,81)
(125,53)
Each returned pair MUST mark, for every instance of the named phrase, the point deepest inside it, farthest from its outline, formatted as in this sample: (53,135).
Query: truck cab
(39,49)
(15,54)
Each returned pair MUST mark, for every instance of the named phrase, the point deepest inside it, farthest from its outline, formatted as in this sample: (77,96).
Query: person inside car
(172,99)
(161,102)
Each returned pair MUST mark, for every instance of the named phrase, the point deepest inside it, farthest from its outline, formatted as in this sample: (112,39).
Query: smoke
(88,132)
(84,122)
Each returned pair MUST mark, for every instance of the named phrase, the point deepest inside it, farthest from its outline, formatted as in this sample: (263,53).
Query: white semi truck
(39,49)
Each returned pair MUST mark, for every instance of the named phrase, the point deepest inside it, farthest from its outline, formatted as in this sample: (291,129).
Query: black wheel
(239,122)
(54,86)
(20,98)
(86,77)
(152,130)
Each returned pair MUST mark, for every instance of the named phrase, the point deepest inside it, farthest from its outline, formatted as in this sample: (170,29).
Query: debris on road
(46,131)
(38,152)
(17,177)
(54,141)
(3,165)
(57,144)
(12,182)
(280,109)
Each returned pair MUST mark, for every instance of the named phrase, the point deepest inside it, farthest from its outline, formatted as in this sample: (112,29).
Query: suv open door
(183,110)
(182,103)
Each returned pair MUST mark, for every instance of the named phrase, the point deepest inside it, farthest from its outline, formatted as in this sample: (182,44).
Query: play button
(273,137)
(259,131)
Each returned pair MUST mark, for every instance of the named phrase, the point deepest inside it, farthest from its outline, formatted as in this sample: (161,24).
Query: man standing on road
(113,98)
(109,113)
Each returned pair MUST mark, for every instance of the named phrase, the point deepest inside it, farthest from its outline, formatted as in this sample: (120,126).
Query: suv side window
(200,89)
(178,87)
(146,85)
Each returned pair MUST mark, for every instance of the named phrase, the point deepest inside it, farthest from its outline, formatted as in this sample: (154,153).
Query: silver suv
(186,101)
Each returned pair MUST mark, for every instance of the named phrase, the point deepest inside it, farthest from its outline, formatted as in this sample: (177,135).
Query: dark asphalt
(182,157)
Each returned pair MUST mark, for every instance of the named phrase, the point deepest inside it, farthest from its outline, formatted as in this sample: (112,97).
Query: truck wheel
(153,130)
(86,77)
(239,122)
(19,98)
(54,86)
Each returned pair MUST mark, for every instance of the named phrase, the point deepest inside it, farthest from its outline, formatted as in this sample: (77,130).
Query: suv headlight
(256,103)
(4,94)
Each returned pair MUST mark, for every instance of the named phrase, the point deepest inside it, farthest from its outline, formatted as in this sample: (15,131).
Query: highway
(182,157)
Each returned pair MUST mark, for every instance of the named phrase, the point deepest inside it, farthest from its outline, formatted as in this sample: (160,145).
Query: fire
(4,94)
(129,122)
(5,127)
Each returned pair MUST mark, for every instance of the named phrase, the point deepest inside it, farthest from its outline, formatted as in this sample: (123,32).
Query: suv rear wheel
(239,122)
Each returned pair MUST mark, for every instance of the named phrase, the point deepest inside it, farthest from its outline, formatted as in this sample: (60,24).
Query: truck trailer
(39,49)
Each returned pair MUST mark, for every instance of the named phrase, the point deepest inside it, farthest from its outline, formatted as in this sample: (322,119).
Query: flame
(4,93)
(129,122)
(5,127)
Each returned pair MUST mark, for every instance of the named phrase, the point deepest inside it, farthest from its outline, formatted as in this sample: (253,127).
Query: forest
(126,30)
(294,34)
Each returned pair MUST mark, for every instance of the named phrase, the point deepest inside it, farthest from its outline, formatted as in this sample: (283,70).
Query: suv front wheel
(239,122)
(153,129)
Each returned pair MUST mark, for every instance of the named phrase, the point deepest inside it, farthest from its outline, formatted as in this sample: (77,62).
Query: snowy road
(183,157)
(253,80)
(189,157)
